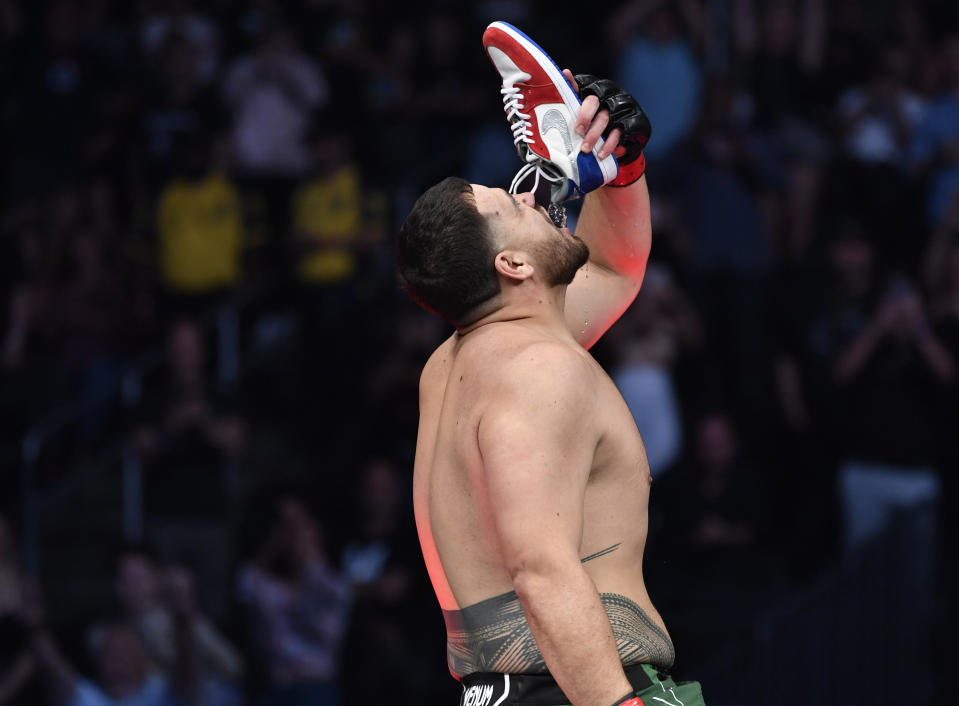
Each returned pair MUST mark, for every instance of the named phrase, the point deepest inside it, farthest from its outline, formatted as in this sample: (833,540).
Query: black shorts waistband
(495,689)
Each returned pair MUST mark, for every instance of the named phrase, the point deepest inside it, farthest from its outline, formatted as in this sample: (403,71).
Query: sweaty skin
(486,628)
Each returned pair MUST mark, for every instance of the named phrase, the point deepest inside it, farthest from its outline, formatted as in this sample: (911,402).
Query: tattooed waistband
(494,636)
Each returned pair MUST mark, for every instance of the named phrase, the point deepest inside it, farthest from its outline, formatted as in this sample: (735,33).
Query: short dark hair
(445,252)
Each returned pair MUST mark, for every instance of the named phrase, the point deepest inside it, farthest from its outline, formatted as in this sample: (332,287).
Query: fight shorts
(652,687)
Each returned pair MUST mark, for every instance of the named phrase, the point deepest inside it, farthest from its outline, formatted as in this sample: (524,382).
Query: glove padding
(624,113)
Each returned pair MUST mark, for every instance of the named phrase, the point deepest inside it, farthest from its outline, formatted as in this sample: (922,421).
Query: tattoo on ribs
(601,552)
(493,636)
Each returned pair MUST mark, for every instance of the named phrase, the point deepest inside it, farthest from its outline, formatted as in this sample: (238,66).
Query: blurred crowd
(791,360)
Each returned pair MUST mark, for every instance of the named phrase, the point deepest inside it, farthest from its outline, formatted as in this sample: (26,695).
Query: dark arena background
(208,369)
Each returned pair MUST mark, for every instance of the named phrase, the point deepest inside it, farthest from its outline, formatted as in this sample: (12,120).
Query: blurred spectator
(59,76)
(719,535)
(272,95)
(782,46)
(816,313)
(443,92)
(190,437)
(717,190)
(887,372)
(70,298)
(877,119)
(199,229)
(393,611)
(123,673)
(359,53)
(147,595)
(934,153)
(659,65)
(178,103)
(212,666)
(328,218)
(331,235)
(778,50)
(942,280)
(723,515)
(74,315)
(182,19)
(17,666)
(139,601)
(28,270)
(189,427)
(297,608)
(660,327)
(938,275)
(90,311)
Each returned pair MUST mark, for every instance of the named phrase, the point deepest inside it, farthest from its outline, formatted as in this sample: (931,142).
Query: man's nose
(526,198)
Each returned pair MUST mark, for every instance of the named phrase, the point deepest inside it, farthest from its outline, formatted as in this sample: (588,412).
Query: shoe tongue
(543,192)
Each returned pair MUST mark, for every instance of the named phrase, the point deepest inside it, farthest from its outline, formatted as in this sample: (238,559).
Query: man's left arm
(615,223)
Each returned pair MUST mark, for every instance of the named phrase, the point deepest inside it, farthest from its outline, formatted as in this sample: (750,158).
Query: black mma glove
(627,115)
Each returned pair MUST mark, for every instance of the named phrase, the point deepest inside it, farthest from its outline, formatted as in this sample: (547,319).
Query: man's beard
(561,261)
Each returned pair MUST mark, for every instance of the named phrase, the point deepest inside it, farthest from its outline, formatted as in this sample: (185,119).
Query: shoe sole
(608,166)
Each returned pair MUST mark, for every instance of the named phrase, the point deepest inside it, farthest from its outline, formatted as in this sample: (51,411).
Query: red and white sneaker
(541,108)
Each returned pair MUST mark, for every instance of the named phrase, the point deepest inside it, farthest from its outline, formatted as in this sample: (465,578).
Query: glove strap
(627,175)
(629,700)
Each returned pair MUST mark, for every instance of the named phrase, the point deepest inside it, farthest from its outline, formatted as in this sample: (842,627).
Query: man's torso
(486,628)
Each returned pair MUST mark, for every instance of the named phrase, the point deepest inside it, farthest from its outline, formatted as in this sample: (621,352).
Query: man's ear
(514,265)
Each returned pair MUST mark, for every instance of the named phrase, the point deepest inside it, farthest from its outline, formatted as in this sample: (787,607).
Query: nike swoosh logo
(554,120)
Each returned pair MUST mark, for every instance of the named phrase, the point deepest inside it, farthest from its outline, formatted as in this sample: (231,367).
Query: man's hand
(610,112)
(593,123)
(625,115)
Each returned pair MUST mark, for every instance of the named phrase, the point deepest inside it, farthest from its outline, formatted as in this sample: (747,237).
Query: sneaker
(541,107)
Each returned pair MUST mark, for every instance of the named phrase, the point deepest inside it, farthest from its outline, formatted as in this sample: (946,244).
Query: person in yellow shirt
(328,249)
(327,215)
(199,227)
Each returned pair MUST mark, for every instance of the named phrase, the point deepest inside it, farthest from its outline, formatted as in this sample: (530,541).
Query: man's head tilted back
(445,253)
(450,249)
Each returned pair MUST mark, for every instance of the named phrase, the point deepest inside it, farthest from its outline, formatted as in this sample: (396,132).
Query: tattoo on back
(601,552)
(493,636)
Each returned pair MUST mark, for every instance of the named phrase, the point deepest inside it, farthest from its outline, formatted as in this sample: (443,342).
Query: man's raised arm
(614,221)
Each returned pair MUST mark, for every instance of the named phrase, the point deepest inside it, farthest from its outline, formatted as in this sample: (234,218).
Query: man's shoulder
(539,388)
(439,361)
(508,356)
(533,367)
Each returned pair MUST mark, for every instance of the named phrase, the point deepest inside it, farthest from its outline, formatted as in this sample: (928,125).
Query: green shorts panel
(666,692)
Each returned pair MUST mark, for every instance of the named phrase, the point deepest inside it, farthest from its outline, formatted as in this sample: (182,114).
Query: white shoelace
(540,172)
(512,100)
(522,133)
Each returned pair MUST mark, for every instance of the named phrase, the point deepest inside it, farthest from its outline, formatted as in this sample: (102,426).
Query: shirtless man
(531,483)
